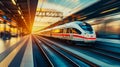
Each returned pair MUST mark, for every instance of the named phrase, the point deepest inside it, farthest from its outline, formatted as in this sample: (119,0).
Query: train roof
(70,24)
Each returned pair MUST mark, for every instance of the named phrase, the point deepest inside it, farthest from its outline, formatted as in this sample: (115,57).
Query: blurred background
(107,26)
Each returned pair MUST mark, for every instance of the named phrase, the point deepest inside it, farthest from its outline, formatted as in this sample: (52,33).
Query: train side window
(64,30)
(67,30)
(70,30)
(57,31)
(76,31)
(61,30)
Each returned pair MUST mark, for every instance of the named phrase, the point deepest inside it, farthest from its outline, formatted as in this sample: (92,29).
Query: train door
(61,33)
(69,36)
(64,33)
(69,31)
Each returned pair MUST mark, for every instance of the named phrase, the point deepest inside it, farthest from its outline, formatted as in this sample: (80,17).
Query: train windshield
(86,27)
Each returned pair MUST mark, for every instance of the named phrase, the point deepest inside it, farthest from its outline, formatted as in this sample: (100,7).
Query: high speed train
(76,32)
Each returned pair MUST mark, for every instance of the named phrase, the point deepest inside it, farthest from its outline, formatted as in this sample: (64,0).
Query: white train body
(76,31)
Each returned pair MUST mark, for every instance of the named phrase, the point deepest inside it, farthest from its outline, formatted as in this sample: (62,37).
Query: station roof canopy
(49,13)
(22,11)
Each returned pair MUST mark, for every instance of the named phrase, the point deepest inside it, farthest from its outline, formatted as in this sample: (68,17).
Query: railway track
(65,60)
(108,54)
(80,61)
(108,57)
(46,61)
(50,52)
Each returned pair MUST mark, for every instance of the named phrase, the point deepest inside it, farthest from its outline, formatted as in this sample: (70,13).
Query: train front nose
(90,38)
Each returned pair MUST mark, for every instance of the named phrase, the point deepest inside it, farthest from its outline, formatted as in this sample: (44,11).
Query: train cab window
(86,26)
(75,31)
